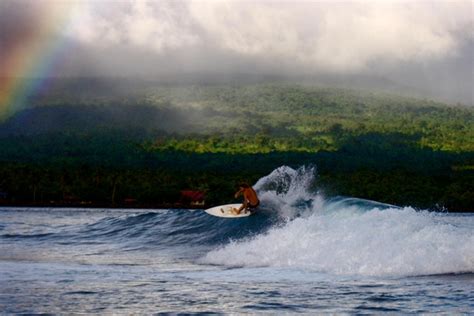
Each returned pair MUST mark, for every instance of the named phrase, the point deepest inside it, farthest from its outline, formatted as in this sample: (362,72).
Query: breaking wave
(348,236)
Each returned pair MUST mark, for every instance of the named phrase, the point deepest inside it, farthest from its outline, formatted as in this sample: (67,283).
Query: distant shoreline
(147,206)
(106,205)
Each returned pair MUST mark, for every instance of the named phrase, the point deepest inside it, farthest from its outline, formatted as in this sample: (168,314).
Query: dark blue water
(302,253)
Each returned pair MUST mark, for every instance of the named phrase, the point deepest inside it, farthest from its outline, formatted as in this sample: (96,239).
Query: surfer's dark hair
(244,185)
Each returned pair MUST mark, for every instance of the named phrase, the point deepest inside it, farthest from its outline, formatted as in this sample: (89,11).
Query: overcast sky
(423,45)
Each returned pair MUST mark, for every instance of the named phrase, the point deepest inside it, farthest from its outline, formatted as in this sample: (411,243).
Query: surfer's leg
(237,211)
(244,206)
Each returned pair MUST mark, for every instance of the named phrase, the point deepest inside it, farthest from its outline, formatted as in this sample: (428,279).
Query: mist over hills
(136,86)
(318,115)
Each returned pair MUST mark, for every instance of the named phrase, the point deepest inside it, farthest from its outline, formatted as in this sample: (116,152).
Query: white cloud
(152,25)
(426,42)
(336,36)
(332,36)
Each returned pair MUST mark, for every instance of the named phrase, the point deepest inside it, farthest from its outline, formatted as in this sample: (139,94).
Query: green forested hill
(291,117)
(149,142)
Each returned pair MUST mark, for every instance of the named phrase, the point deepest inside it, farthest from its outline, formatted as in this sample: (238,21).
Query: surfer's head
(244,185)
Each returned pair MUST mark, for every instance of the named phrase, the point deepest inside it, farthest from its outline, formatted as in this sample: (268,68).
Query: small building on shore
(193,198)
(130,201)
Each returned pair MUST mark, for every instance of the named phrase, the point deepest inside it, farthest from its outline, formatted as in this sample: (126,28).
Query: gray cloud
(424,44)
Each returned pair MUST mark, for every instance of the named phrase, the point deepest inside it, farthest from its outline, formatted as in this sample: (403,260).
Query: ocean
(303,252)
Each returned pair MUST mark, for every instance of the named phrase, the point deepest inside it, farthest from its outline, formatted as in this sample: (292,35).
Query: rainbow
(33,55)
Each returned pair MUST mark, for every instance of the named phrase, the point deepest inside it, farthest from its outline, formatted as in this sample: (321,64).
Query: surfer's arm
(238,193)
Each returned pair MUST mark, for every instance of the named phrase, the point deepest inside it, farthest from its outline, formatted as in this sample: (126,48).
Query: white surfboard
(226,211)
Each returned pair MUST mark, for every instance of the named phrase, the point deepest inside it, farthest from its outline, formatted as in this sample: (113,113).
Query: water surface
(302,253)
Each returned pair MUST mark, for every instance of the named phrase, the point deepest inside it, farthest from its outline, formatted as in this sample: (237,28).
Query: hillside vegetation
(104,144)
(281,117)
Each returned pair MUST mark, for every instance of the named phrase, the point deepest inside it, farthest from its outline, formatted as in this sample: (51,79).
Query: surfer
(251,200)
